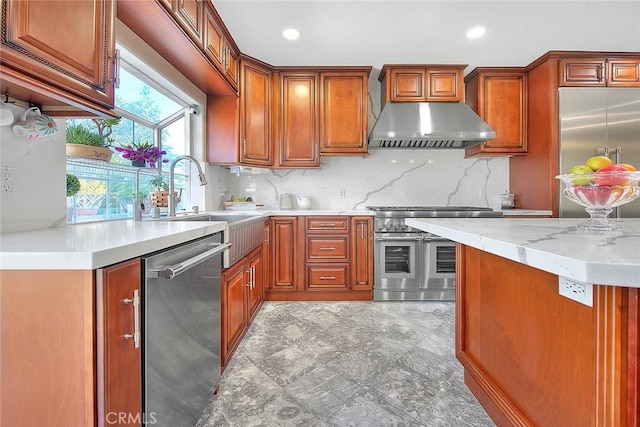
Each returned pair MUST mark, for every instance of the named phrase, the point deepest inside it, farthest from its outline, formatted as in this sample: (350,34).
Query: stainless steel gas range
(413,265)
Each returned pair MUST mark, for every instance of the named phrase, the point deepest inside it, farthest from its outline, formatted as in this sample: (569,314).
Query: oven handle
(391,239)
(172,271)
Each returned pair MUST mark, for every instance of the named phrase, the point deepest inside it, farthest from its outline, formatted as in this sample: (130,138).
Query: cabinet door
(231,63)
(623,72)
(361,253)
(299,120)
(119,363)
(189,15)
(234,308)
(343,112)
(444,85)
(583,72)
(284,249)
(213,40)
(255,128)
(67,44)
(502,103)
(407,85)
(256,282)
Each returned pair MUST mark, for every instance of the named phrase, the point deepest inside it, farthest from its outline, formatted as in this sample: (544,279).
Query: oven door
(440,268)
(398,257)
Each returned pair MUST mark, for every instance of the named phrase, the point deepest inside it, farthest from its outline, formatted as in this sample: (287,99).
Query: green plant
(77,133)
(73,185)
(160,183)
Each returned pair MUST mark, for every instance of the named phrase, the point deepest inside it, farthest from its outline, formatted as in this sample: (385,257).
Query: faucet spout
(139,207)
(172,198)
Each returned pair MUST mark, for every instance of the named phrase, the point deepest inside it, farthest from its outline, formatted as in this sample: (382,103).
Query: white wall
(39,192)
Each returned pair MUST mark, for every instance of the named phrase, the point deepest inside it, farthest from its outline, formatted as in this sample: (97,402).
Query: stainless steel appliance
(182,313)
(411,264)
(428,125)
(599,121)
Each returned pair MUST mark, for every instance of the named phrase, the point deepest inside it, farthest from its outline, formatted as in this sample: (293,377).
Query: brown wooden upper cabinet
(219,46)
(255,114)
(600,71)
(297,127)
(499,96)
(422,83)
(189,14)
(344,111)
(45,53)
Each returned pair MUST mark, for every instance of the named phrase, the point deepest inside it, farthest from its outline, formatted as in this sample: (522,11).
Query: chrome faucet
(172,199)
(139,207)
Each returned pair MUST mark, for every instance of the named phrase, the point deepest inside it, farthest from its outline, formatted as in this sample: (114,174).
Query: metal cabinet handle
(135,301)
(252,272)
(327,224)
(361,231)
(327,277)
(244,146)
(116,68)
(327,248)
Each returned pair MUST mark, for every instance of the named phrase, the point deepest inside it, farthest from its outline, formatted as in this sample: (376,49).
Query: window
(149,113)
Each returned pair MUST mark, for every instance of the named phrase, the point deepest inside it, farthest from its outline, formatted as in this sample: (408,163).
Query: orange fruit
(628,167)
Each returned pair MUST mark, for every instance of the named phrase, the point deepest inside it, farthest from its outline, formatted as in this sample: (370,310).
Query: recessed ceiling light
(476,32)
(291,34)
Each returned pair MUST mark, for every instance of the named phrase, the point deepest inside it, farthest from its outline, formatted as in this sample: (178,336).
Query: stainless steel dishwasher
(181,321)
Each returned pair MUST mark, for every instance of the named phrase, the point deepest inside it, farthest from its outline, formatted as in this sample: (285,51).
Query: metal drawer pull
(136,318)
(327,277)
(327,248)
(327,224)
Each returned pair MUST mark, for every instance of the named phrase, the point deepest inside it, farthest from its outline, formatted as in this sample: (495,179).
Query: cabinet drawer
(327,248)
(327,276)
(327,223)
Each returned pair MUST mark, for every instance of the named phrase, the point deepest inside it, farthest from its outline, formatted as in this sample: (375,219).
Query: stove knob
(397,224)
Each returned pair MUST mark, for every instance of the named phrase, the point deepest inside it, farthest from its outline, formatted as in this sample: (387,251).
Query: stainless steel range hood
(428,125)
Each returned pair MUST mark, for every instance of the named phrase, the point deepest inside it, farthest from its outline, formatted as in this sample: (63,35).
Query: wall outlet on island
(575,290)
(342,193)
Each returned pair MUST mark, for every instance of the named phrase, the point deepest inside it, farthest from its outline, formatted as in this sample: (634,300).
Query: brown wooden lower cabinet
(535,358)
(64,358)
(321,258)
(119,359)
(242,296)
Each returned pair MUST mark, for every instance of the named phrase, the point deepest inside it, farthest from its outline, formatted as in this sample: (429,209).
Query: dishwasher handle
(171,271)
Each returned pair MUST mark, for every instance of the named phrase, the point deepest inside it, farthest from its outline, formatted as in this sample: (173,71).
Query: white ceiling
(373,33)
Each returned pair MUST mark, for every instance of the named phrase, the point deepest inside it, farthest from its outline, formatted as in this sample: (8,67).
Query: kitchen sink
(244,232)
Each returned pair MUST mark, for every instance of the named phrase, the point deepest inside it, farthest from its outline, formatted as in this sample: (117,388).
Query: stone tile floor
(347,364)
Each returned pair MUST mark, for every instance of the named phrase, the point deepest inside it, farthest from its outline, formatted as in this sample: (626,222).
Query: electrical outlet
(575,290)
(342,193)
(6,181)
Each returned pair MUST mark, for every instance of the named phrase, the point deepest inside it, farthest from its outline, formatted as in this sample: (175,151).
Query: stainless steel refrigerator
(599,121)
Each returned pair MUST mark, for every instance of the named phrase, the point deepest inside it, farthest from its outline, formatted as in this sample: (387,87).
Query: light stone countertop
(95,245)
(99,244)
(526,212)
(550,244)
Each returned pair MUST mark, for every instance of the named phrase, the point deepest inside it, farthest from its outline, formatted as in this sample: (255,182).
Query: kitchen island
(532,356)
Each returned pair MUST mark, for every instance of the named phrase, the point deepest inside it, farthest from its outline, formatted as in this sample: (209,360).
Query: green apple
(581,170)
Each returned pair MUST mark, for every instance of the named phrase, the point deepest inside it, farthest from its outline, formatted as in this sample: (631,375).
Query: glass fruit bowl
(599,193)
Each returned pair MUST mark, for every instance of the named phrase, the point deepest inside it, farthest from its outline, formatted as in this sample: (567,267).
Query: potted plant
(88,143)
(73,185)
(160,197)
(142,154)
